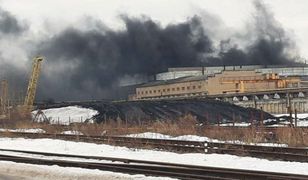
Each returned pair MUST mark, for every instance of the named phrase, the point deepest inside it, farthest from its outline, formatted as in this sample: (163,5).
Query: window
(168,90)
(188,87)
(138,92)
(141,92)
(146,92)
(159,90)
(150,92)
(173,89)
(154,91)
(164,90)
(199,86)
(177,88)
(194,87)
(183,88)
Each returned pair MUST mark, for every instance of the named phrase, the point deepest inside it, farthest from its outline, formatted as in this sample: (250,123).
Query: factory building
(213,82)
(174,73)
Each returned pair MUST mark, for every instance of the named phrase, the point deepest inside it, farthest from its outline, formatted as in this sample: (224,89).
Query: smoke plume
(92,64)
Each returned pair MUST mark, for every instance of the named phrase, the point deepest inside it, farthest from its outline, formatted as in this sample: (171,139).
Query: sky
(58,14)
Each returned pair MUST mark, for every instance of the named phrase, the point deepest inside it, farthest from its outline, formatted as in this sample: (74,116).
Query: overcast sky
(292,14)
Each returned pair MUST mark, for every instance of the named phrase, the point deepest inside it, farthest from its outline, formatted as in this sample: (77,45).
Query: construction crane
(36,69)
(4,99)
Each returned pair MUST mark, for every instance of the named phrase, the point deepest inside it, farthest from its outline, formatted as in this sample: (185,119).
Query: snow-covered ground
(163,136)
(195,138)
(20,171)
(217,160)
(67,115)
(34,130)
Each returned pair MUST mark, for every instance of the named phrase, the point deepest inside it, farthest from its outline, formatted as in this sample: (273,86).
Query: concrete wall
(277,106)
(294,71)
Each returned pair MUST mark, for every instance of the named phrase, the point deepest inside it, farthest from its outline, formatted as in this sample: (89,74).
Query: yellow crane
(36,69)
(4,99)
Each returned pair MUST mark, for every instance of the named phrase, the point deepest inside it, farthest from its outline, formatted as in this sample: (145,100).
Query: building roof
(173,81)
(238,67)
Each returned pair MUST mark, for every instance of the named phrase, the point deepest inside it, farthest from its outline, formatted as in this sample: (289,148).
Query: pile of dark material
(205,110)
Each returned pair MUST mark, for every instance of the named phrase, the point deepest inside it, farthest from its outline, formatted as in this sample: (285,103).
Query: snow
(300,115)
(72,132)
(150,135)
(302,123)
(70,114)
(81,148)
(302,120)
(34,130)
(196,138)
(163,136)
(39,172)
(243,124)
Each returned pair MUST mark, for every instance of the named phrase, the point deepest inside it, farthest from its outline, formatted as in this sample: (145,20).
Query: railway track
(182,146)
(152,168)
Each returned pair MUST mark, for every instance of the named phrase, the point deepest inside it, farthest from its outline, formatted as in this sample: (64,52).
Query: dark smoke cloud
(9,24)
(102,58)
(91,64)
(268,43)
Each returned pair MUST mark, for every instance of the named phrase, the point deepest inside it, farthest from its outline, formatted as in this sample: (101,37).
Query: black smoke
(92,64)
(268,43)
(102,58)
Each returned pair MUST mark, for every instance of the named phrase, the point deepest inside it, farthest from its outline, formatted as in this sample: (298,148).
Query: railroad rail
(152,168)
(181,146)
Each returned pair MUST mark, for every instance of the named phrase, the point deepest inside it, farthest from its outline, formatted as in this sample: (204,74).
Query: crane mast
(4,98)
(36,68)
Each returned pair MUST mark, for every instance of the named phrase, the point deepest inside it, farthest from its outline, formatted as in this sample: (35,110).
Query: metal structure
(241,81)
(36,68)
(174,73)
(40,117)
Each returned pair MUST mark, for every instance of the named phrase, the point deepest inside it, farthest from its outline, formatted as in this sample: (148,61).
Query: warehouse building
(221,82)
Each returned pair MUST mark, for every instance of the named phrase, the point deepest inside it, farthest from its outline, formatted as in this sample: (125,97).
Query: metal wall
(174,73)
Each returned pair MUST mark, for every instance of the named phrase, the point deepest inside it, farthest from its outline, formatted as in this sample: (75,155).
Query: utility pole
(289,108)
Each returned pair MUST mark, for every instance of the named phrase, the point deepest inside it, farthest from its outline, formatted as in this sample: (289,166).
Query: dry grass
(186,125)
(292,136)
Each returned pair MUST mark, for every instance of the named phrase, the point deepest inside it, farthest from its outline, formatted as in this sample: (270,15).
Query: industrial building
(275,89)
(224,82)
